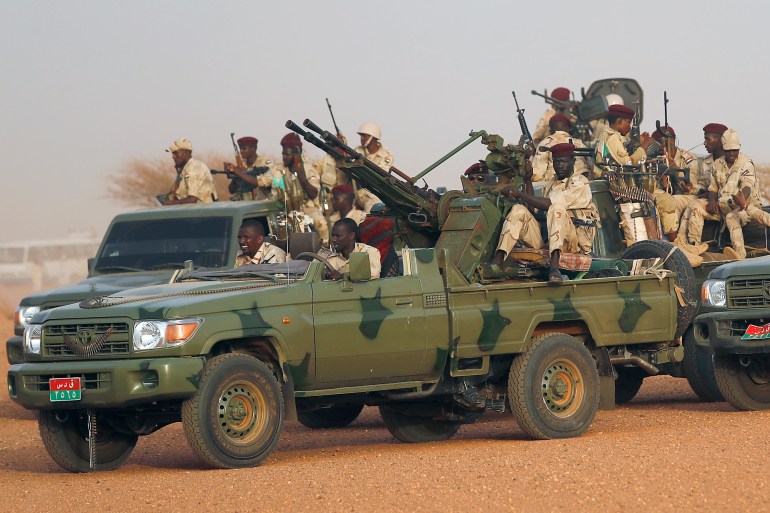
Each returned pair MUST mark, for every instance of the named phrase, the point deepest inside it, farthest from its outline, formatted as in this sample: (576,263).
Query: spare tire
(677,262)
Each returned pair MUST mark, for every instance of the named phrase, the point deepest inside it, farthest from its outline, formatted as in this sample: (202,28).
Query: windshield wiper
(167,265)
(118,268)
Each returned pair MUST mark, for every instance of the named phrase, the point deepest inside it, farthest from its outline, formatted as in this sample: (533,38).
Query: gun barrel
(471,137)
(312,139)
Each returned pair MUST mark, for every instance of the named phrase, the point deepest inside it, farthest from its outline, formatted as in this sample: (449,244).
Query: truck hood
(756,267)
(176,300)
(95,286)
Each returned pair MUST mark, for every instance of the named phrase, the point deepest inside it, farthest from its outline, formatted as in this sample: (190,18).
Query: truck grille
(748,293)
(90,380)
(58,340)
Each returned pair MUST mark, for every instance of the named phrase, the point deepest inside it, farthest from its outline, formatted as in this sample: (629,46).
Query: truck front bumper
(107,383)
(722,331)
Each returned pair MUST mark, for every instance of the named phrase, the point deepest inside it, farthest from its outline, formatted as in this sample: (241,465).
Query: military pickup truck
(233,353)
(145,247)
(735,323)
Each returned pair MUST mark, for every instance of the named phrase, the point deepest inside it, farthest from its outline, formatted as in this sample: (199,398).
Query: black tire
(745,387)
(699,369)
(629,382)
(65,437)
(334,417)
(678,263)
(553,387)
(413,429)
(234,420)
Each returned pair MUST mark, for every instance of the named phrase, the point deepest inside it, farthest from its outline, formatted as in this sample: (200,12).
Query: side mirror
(359,267)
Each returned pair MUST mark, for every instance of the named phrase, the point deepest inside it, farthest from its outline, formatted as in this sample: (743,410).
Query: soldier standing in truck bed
(542,162)
(541,130)
(372,148)
(611,147)
(266,183)
(194,182)
(571,217)
(343,202)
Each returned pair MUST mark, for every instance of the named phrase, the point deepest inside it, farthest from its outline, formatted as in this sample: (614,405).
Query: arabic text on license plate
(64,389)
(757,332)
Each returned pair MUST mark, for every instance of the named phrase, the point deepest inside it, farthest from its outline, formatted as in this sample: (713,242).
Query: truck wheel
(628,383)
(744,380)
(234,419)
(553,387)
(699,369)
(685,278)
(65,437)
(413,429)
(334,417)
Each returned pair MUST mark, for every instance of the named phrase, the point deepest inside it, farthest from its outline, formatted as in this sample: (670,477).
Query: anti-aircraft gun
(466,223)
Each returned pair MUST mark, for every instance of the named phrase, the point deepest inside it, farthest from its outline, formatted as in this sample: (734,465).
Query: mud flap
(607,378)
(287,390)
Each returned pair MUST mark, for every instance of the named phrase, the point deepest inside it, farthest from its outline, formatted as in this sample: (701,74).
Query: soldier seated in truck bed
(571,218)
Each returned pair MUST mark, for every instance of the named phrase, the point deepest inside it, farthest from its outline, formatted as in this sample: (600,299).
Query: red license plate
(64,389)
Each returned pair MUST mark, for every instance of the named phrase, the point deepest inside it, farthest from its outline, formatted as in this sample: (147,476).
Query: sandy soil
(664,451)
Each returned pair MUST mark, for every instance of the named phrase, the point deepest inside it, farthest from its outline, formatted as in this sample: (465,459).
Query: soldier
(263,180)
(733,194)
(599,126)
(344,243)
(671,201)
(477,173)
(567,199)
(541,131)
(343,202)
(611,146)
(194,182)
(254,248)
(542,162)
(297,168)
(372,148)
(330,176)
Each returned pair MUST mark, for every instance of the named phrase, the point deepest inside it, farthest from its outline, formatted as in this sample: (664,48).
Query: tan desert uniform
(341,264)
(670,206)
(356,215)
(570,198)
(598,128)
(383,158)
(327,170)
(726,181)
(311,207)
(542,129)
(612,147)
(736,219)
(266,254)
(542,162)
(196,180)
(268,183)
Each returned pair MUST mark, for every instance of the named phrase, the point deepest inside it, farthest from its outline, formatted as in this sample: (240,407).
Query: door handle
(404,302)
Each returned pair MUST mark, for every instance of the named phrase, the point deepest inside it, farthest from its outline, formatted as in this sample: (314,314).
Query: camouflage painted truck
(145,247)
(437,341)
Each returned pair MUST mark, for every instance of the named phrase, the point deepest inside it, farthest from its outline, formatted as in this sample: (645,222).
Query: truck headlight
(159,334)
(23,315)
(32,336)
(714,293)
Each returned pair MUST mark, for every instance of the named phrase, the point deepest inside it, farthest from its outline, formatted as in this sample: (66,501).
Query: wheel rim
(563,388)
(243,412)
(758,371)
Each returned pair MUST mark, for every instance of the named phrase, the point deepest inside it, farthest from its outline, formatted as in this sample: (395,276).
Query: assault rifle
(526,135)
(565,106)
(242,186)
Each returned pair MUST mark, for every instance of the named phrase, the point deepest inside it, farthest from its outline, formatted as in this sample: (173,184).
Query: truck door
(370,332)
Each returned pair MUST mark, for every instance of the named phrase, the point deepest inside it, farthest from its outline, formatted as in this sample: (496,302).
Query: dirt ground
(664,451)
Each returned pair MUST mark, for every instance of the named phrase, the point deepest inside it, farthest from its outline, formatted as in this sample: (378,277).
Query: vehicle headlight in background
(159,334)
(32,336)
(714,293)
(23,315)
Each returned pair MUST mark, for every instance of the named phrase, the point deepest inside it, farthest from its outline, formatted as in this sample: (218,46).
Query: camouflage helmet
(614,99)
(370,129)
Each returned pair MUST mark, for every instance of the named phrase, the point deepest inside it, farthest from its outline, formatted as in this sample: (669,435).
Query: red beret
(622,111)
(343,188)
(559,117)
(563,149)
(291,140)
(714,128)
(658,136)
(561,94)
(247,141)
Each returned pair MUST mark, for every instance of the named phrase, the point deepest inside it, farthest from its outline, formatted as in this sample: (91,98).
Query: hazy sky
(88,85)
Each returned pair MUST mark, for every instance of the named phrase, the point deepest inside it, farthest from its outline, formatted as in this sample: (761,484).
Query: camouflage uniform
(670,205)
(612,146)
(268,183)
(356,215)
(542,162)
(266,254)
(570,198)
(341,264)
(383,158)
(196,180)
(726,181)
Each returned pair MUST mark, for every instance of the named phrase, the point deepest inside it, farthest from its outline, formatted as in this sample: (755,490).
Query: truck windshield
(155,244)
